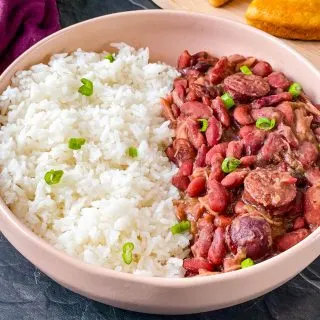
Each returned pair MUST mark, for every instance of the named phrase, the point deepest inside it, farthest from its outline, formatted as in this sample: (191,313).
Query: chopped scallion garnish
(227,100)
(265,123)
(204,124)
(127,252)
(87,88)
(230,164)
(76,143)
(132,152)
(110,57)
(245,70)
(53,176)
(295,89)
(181,227)
(247,263)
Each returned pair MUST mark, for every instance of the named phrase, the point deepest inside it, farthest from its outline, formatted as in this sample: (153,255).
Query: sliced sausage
(270,188)
(242,86)
(251,233)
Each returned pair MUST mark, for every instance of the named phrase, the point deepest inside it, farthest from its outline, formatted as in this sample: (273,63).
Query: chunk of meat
(200,160)
(233,262)
(167,112)
(195,136)
(286,109)
(249,62)
(307,154)
(213,132)
(202,244)
(235,178)
(183,151)
(234,149)
(312,205)
(308,105)
(303,125)
(178,95)
(221,111)
(243,87)
(184,60)
(313,176)
(218,196)
(242,114)
(271,100)
(290,239)
(195,264)
(278,80)
(218,72)
(262,69)
(196,109)
(180,182)
(196,187)
(299,223)
(273,149)
(181,128)
(251,233)
(267,112)
(270,188)
(170,152)
(220,148)
(287,133)
(216,171)
(180,82)
(217,250)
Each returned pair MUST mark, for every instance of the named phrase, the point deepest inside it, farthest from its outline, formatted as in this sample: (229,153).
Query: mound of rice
(105,198)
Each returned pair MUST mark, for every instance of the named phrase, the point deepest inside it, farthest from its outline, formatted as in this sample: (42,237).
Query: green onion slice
(87,88)
(265,123)
(127,252)
(76,143)
(53,176)
(295,89)
(181,227)
(230,164)
(227,100)
(110,57)
(132,152)
(247,263)
(204,124)
(245,70)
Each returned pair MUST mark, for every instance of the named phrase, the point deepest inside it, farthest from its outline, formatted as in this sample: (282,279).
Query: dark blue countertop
(28,294)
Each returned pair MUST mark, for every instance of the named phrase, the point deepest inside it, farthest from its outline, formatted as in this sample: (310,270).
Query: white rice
(105,198)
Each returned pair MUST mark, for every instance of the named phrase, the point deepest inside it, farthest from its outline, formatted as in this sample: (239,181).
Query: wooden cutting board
(235,10)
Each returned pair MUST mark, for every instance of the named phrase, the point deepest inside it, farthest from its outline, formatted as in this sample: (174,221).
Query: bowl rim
(159,281)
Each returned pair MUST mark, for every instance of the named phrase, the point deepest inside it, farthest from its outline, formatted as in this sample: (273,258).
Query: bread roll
(218,3)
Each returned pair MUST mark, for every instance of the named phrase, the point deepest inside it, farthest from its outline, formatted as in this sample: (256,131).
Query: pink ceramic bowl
(166,34)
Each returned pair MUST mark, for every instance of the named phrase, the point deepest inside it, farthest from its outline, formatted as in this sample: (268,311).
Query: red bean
(248,161)
(195,264)
(267,112)
(195,136)
(221,70)
(241,114)
(313,176)
(202,244)
(217,249)
(290,239)
(213,132)
(216,171)
(234,149)
(286,109)
(196,109)
(278,80)
(307,154)
(180,182)
(240,208)
(196,187)
(312,205)
(234,179)
(201,157)
(221,111)
(218,196)
(170,152)
(222,221)
(184,60)
(262,68)
(186,168)
(219,148)
(299,223)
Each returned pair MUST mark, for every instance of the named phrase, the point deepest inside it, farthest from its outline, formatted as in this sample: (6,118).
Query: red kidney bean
(195,136)
(218,196)
(271,100)
(278,80)
(180,82)
(286,109)
(186,168)
(267,112)
(195,264)
(196,187)
(313,176)
(217,250)
(184,60)
(240,208)
(213,132)
(242,115)
(248,161)
(235,178)
(216,171)
(180,182)
(262,68)
(202,244)
(222,221)
(298,223)
(234,149)
(201,157)
(220,148)
(312,205)
(290,239)
(235,59)
(196,109)
(192,95)
(253,139)
(221,111)
(218,72)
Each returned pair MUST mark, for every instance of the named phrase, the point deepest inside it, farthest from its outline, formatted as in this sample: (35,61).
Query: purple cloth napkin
(22,24)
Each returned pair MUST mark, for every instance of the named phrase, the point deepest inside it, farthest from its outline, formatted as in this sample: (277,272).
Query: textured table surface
(26,293)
